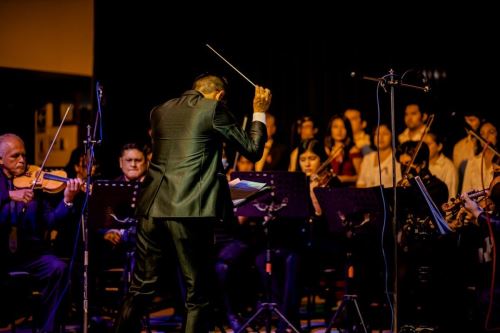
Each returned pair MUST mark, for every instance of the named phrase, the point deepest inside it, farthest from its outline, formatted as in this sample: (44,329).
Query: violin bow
(426,129)
(227,62)
(480,138)
(327,162)
(42,166)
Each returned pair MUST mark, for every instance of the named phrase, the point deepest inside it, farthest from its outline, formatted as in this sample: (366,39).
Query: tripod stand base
(270,308)
(346,300)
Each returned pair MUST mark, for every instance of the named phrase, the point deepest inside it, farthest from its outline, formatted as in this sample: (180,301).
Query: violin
(411,169)
(324,173)
(51,182)
(455,217)
(455,203)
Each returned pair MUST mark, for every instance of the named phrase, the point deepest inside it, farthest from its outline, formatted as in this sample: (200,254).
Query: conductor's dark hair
(208,83)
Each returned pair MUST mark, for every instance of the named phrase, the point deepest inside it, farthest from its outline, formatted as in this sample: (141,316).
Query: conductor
(185,192)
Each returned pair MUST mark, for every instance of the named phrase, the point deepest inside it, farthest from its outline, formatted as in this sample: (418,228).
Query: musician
(288,243)
(465,148)
(25,217)
(426,259)
(479,169)
(440,165)
(482,215)
(373,170)
(186,192)
(233,248)
(276,154)
(346,163)
(358,125)
(133,164)
(306,129)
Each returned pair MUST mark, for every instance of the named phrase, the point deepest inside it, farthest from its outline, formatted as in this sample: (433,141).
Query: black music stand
(112,206)
(350,210)
(287,197)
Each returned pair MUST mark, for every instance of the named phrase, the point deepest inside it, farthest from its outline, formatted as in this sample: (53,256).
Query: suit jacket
(186,177)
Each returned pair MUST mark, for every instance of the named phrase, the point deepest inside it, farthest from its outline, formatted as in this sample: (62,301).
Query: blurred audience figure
(415,119)
(440,165)
(479,169)
(374,169)
(358,125)
(306,129)
(339,146)
(465,148)
(275,156)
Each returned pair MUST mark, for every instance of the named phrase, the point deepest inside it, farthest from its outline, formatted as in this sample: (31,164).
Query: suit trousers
(193,241)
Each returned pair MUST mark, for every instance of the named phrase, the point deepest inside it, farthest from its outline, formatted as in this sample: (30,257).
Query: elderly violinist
(25,216)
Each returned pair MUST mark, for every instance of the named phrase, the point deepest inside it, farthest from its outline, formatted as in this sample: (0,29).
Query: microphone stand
(391,79)
(89,144)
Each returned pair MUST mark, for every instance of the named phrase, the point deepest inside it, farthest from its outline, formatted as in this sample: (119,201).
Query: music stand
(287,197)
(112,206)
(350,210)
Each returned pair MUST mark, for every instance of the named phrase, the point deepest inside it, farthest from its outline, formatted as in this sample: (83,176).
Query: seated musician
(345,156)
(133,164)
(427,259)
(373,170)
(25,217)
(485,218)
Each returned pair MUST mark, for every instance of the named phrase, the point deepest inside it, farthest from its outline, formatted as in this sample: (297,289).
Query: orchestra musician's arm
(317,208)
(65,206)
(474,211)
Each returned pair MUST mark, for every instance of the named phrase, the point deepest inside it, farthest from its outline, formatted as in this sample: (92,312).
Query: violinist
(346,162)
(24,218)
(420,167)
(485,219)
(425,259)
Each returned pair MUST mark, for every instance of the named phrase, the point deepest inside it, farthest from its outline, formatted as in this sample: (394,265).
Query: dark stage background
(148,53)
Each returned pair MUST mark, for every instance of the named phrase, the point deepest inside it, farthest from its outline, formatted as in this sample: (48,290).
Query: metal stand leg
(346,300)
(269,308)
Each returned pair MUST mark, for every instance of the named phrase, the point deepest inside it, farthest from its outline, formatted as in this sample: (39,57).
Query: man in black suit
(186,191)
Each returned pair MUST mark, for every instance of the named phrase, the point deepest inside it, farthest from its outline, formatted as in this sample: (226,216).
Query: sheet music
(241,190)
(436,213)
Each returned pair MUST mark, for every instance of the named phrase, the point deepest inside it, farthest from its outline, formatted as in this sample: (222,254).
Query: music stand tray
(288,196)
(285,189)
(112,204)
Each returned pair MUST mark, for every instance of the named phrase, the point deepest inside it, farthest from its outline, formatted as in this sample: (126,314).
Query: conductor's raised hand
(262,99)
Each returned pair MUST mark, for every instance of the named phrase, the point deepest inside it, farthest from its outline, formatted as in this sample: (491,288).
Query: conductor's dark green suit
(185,192)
